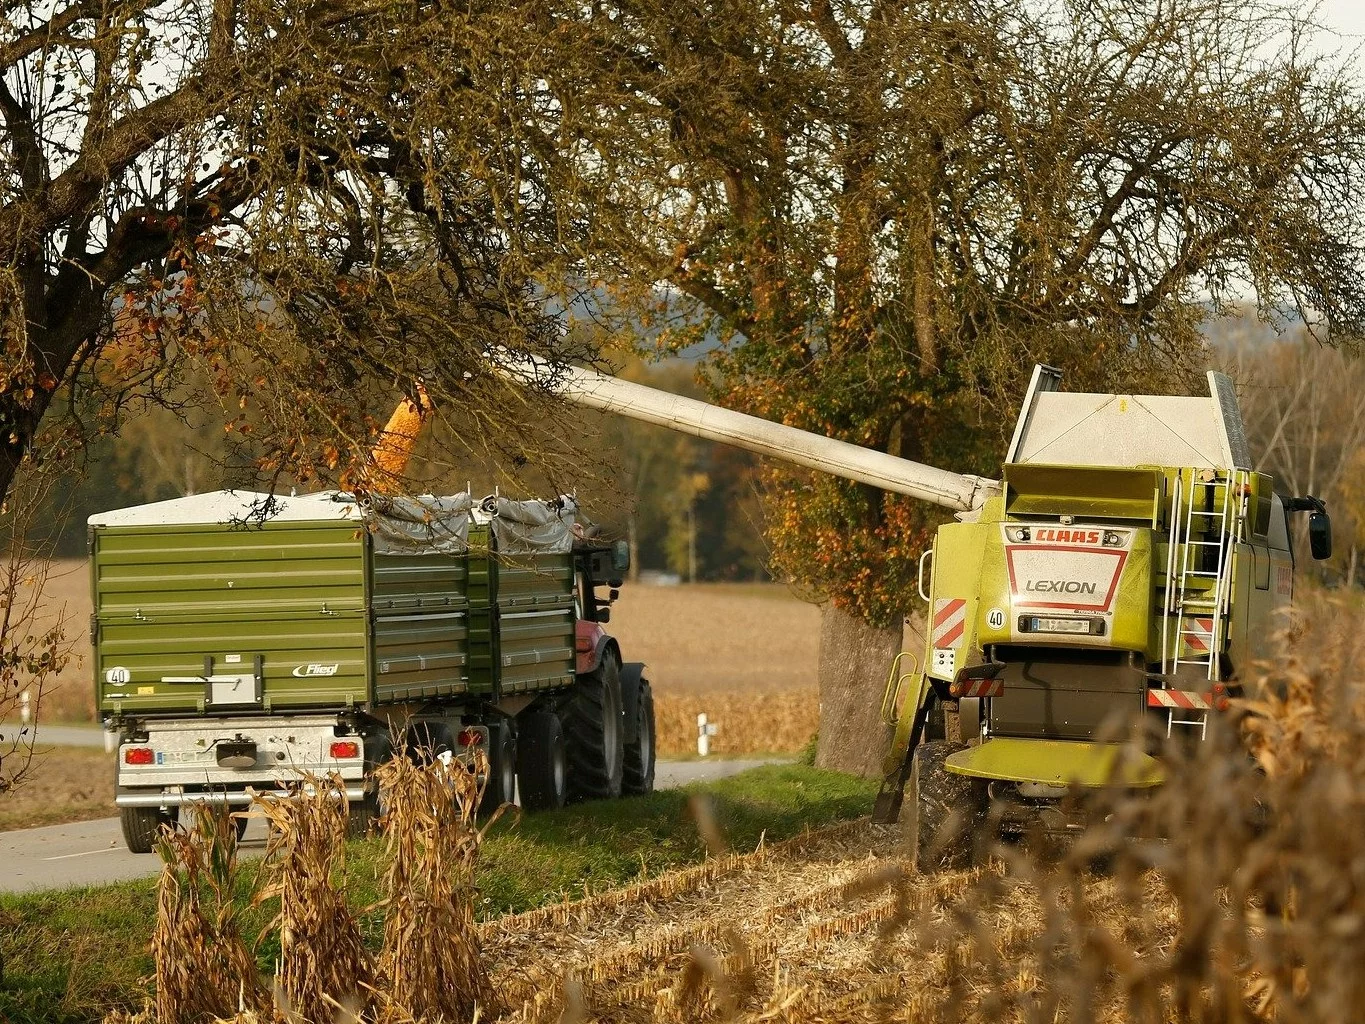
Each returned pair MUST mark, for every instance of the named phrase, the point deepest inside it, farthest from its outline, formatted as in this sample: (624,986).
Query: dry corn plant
(203,965)
(431,966)
(324,967)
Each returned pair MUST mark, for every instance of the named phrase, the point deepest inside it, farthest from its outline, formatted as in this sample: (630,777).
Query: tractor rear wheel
(594,730)
(542,765)
(142,825)
(638,777)
(947,811)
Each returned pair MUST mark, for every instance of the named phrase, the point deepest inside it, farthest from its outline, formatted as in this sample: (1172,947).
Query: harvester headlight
(1113,539)
(1020,535)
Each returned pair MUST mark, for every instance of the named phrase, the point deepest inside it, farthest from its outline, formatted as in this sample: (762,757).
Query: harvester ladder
(1206,516)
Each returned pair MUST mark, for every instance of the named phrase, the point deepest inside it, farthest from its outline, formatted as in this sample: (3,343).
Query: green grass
(73,955)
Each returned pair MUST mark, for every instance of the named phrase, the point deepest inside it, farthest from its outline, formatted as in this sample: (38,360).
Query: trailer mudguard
(632,677)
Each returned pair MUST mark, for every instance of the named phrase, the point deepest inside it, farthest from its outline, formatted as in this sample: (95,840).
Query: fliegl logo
(314,670)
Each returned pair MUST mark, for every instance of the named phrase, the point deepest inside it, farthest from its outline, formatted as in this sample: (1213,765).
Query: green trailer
(244,641)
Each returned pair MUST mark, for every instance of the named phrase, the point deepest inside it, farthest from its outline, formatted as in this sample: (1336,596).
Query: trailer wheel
(501,787)
(542,762)
(426,741)
(142,825)
(365,815)
(638,775)
(947,811)
(594,733)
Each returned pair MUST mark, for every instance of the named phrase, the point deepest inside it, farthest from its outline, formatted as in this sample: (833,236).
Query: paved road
(60,735)
(92,852)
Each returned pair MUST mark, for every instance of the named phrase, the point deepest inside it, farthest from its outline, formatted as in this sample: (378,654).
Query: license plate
(1061,625)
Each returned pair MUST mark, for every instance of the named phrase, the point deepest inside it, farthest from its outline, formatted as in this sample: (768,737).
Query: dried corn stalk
(431,965)
(323,962)
(203,966)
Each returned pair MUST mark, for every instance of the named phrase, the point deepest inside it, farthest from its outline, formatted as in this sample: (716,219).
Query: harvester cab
(1131,565)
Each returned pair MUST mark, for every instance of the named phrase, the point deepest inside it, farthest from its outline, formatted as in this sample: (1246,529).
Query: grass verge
(73,955)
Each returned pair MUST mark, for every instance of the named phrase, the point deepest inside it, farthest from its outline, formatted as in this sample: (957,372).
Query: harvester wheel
(594,731)
(501,787)
(142,825)
(542,766)
(638,776)
(947,811)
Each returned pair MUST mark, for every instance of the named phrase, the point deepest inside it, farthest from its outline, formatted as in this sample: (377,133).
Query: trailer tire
(426,741)
(947,811)
(542,761)
(638,773)
(594,729)
(501,787)
(142,825)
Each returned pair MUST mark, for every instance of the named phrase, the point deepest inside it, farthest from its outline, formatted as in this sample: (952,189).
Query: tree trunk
(855,659)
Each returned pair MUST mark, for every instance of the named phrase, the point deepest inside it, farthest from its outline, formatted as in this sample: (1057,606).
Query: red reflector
(470,737)
(346,748)
(139,755)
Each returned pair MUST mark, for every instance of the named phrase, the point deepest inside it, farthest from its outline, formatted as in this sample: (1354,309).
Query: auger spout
(956,491)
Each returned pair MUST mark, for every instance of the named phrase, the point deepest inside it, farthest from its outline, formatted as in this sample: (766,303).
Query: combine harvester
(1126,567)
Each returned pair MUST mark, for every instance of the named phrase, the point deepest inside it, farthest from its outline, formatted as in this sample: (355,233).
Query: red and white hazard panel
(1199,635)
(1185,700)
(950,621)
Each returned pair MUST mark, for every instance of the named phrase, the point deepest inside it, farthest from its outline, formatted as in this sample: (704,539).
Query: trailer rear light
(470,737)
(139,755)
(345,748)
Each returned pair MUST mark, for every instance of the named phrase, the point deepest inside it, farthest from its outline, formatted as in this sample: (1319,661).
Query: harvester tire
(501,787)
(638,774)
(142,825)
(947,811)
(542,764)
(594,732)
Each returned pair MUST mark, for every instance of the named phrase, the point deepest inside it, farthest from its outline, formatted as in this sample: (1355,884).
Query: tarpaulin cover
(531,527)
(426,524)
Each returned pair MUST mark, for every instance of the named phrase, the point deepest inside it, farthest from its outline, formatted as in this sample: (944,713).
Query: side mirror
(1320,535)
(604,614)
(620,556)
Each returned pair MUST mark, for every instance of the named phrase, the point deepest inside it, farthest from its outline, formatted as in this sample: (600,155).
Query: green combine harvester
(1123,572)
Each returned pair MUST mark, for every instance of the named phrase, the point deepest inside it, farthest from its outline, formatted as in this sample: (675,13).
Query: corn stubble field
(1234,894)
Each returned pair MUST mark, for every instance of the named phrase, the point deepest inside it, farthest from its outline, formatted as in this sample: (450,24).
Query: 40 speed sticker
(117,676)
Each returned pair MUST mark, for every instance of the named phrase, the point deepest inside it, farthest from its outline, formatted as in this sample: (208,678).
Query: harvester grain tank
(1127,566)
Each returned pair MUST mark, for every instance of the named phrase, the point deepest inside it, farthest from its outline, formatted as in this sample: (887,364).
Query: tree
(890,211)
(1304,409)
(314,204)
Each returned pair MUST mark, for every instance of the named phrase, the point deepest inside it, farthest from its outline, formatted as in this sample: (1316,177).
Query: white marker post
(705,730)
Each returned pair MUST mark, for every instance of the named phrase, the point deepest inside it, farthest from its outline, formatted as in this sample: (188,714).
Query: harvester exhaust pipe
(788,444)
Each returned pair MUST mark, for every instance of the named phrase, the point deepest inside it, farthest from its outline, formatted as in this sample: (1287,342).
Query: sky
(1345,17)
